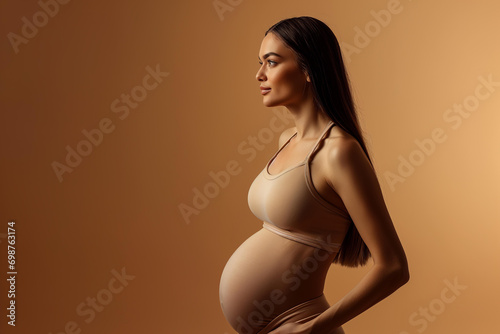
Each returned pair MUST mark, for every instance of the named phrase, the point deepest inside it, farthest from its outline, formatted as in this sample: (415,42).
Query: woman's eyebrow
(271,54)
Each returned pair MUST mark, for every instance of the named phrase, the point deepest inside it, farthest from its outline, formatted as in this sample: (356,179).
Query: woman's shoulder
(345,165)
(285,135)
(342,148)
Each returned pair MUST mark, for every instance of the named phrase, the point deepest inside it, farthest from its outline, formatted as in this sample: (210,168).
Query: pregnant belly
(267,275)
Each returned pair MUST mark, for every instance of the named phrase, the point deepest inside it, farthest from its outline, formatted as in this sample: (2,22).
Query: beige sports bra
(289,204)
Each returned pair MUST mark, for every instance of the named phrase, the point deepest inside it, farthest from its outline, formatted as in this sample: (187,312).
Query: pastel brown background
(119,208)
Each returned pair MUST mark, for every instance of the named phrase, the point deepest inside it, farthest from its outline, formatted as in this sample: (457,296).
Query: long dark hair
(318,53)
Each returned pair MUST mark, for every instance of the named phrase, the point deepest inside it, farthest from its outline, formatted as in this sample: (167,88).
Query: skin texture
(287,81)
(290,87)
(343,173)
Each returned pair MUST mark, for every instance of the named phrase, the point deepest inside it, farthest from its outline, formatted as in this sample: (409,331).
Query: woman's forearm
(376,285)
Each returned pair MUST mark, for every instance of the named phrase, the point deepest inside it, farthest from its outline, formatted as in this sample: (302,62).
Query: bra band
(329,247)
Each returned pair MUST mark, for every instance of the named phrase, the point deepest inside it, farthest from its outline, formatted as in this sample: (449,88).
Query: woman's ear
(308,79)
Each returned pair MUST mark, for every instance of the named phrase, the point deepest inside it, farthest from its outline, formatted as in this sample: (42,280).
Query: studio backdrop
(132,130)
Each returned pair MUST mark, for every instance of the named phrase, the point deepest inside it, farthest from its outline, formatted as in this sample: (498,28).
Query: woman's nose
(260,76)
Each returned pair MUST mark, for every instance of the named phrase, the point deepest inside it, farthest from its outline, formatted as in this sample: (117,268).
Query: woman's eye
(270,62)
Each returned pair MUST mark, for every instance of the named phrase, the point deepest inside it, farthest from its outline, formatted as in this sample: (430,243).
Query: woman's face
(282,82)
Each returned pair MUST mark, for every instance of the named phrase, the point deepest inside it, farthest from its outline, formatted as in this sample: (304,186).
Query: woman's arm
(351,175)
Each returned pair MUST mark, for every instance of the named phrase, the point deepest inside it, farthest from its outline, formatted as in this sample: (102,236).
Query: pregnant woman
(318,198)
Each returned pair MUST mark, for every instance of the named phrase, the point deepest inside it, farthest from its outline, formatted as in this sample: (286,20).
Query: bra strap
(329,206)
(328,126)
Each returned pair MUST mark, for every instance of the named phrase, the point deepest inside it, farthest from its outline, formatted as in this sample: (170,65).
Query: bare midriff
(269,274)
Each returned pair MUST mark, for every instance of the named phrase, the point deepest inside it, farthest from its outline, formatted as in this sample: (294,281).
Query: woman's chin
(269,103)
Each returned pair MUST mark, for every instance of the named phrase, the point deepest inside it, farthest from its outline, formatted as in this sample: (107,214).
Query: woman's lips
(264,90)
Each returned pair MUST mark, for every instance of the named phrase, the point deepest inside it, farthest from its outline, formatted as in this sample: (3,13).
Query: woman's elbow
(397,273)
(405,274)
(402,273)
